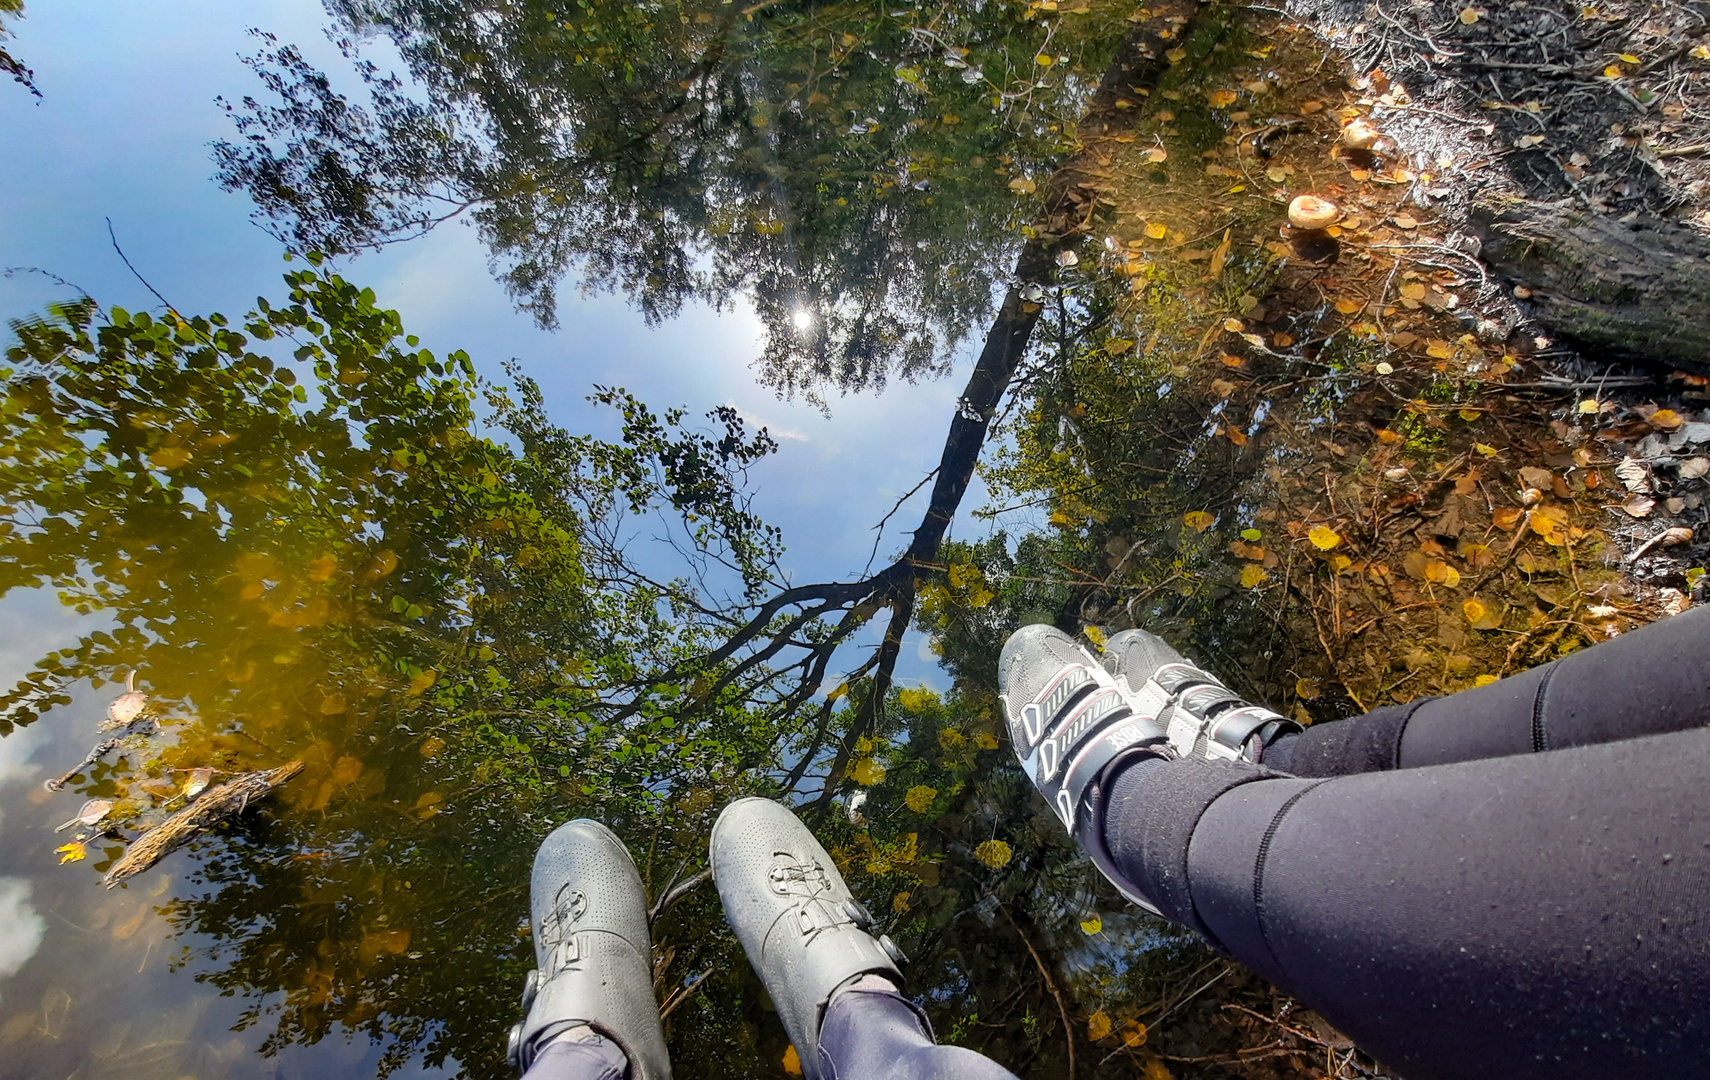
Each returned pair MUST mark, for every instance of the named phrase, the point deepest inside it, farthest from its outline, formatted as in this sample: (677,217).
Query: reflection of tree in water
(846,167)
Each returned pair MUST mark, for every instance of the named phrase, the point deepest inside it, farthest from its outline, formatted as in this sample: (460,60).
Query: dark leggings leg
(1646,682)
(596,1059)
(1543,915)
(878,1036)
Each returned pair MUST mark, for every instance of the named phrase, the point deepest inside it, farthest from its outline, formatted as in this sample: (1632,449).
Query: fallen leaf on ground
(1324,537)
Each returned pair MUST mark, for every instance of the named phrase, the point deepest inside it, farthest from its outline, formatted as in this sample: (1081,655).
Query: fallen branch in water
(214,806)
(96,753)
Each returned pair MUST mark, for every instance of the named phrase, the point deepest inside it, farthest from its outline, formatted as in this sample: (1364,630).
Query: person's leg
(835,985)
(1646,682)
(1536,916)
(578,1055)
(874,1033)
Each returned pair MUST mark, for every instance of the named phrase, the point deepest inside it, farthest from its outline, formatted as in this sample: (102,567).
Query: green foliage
(848,162)
(9,64)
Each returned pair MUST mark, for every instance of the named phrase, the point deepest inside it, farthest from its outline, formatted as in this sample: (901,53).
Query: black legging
(1460,903)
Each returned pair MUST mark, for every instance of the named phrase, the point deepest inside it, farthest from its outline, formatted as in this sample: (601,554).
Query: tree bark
(1638,291)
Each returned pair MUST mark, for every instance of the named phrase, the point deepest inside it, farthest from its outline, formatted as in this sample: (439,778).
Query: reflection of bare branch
(676,893)
(99,751)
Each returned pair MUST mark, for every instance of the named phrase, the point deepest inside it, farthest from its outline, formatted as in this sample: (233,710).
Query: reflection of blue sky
(122,132)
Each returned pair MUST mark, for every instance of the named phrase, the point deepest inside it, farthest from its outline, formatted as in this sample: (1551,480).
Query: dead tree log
(1635,291)
(213,806)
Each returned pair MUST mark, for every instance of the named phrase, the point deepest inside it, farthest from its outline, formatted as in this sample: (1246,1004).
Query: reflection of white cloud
(21,928)
(16,750)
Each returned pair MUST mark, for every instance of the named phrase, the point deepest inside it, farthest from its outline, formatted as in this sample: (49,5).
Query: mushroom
(1311,212)
(1359,135)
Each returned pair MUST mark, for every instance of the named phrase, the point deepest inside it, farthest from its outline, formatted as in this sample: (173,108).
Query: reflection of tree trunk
(1070,196)
(1635,292)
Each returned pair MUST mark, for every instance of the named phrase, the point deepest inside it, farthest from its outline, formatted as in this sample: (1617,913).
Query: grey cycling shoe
(803,930)
(1070,723)
(593,951)
(1201,717)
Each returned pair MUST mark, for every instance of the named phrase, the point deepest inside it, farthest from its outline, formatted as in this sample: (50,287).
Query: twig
(676,893)
(99,751)
(1050,984)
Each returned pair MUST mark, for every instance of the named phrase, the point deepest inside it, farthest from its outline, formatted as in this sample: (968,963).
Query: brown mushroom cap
(1311,212)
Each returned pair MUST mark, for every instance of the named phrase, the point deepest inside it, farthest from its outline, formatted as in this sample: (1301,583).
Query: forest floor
(1394,457)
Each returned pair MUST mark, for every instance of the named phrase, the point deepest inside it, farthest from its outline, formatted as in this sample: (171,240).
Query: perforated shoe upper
(592,949)
(802,928)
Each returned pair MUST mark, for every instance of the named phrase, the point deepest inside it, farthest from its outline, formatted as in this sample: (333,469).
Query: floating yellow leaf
(1252,535)
(1486,449)
(1252,576)
(920,797)
(1413,291)
(72,852)
(170,457)
(1469,16)
(1588,407)
(1469,415)
(994,853)
(1666,419)
(1198,520)
(1440,350)
(1176,56)
(1133,1032)
(1222,98)
(1044,60)
(1306,689)
(1094,635)
(1092,925)
(1323,537)
(1349,307)
(1098,1026)
(1021,185)
(1613,71)
(867,772)
(792,1061)
(1157,230)
(1340,563)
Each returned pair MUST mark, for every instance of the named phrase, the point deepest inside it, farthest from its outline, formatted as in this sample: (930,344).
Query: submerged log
(1634,291)
(215,805)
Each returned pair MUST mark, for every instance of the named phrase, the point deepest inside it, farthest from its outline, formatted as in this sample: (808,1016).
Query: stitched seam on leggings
(1541,736)
(1401,730)
(1259,868)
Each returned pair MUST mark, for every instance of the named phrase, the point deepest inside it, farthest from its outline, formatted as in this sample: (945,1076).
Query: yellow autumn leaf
(792,1061)
(1098,1026)
(916,698)
(1486,680)
(1044,60)
(840,691)
(1133,1033)
(1198,520)
(994,853)
(1485,449)
(1116,346)
(1469,415)
(900,904)
(1469,16)
(1474,611)
(1222,98)
(1021,185)
(1094,635)
(1252,576)
(1613,71)
(1349,307)
(985,740)
(920,797)
(1176,56)
(72,852)
(1666,419)
(867,772)
(170,457)
(1323,537)
(1340,563)
(1440,350)
(1157,230)
(1092,924)
(1588,407)
(1156,154)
